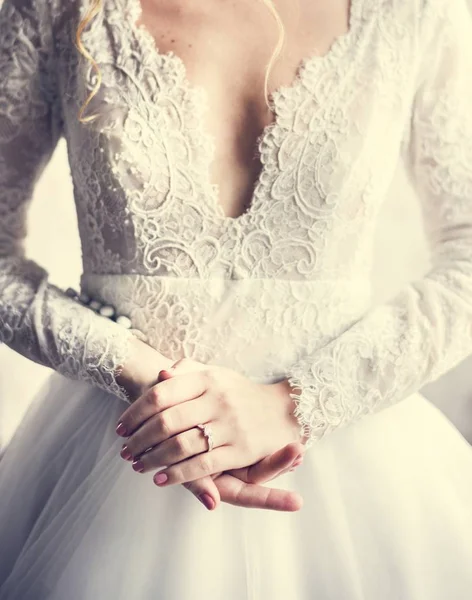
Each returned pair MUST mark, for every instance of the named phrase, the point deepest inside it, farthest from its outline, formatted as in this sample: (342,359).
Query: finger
(272,473)
(296,464)
(278,463)
(187,364)
(179,450)
(218,460)
(292,467)
(205,487)
(164,374)
(271,466)
(170,423)
(173,391)
(267,469)
(248,495)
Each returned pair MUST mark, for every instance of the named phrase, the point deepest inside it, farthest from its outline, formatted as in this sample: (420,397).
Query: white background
(53,242)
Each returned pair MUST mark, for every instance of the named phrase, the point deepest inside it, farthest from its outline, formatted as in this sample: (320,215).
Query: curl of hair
(95,9)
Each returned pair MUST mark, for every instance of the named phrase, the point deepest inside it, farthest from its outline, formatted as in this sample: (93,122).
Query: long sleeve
(426,329)
(37,319)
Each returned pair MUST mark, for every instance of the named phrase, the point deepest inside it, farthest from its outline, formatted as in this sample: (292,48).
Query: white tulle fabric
(387,514)
(280,291)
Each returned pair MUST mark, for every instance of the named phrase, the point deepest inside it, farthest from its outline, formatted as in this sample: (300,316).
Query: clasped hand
(249,421)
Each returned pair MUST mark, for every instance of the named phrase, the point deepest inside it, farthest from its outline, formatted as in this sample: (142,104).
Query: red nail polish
(121,429)
(207,500)
(125,453)
(138,466)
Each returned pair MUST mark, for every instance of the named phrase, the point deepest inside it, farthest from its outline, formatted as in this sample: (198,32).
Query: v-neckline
(147,42)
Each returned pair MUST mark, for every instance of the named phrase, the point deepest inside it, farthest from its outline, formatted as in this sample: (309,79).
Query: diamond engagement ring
(207,432)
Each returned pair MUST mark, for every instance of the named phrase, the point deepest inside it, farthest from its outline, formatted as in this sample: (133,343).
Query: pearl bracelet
(105,310)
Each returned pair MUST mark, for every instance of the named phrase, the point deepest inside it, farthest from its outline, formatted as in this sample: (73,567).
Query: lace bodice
(282,290)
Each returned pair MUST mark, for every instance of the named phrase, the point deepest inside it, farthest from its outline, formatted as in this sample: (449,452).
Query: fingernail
(121,429)
(207,500)
(138,466)
(125,453)
(160,478)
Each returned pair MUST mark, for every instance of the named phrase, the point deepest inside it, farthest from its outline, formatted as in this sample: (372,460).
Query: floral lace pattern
(427,328)
(36,318)
(282,290)
(198,318)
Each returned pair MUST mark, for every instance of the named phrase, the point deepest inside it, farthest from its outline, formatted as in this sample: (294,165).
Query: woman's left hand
(249,421)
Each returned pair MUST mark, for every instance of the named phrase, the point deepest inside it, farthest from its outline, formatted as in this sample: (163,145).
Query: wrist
(283,391)
(141,369)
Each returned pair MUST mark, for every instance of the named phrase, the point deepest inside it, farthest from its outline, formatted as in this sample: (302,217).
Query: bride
(224,331)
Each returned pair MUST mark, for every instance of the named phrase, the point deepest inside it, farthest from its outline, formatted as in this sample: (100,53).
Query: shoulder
(28,10)
(427,21)
(441,21)
(40,20)
(32,17)
(432,13)
(43,12)
(403,18)
(25,20)
(419,13)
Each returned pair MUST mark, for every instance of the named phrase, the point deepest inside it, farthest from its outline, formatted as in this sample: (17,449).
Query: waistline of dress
(259,326)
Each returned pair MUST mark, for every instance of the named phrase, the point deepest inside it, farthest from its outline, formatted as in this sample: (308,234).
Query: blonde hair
(95,9)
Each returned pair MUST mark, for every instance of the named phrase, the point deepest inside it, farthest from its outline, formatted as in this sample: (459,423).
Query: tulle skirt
(387,515)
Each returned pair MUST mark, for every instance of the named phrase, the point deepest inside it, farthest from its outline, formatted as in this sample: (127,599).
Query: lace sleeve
(37,319)
(426,329)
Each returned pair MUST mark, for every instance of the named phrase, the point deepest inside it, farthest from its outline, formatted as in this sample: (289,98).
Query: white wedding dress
(281,291)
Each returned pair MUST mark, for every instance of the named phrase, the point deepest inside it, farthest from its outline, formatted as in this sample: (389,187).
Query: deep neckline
(314,61)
